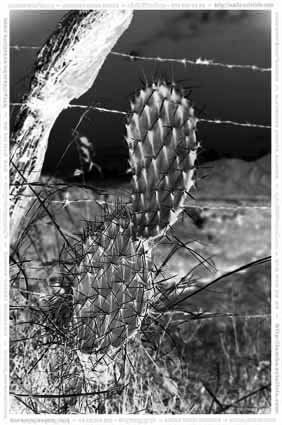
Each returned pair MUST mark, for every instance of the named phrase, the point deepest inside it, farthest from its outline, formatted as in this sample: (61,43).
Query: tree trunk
(66,67)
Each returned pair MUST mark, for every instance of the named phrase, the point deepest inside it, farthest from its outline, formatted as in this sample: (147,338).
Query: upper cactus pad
(162,152)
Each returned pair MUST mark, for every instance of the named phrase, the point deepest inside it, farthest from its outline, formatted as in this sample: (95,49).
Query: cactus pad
(162,152)
(114,286)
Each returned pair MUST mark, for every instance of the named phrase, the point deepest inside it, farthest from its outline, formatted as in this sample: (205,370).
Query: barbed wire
(185,61)
(228,122)
(116,111)
(98,108)
(198,61)
(17,47)
(66,202)
(211,315)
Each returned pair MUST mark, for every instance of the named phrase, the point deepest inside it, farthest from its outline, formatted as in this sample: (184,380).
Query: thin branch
(228,406)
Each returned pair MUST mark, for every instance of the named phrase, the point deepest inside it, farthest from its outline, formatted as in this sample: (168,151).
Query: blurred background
(231,37)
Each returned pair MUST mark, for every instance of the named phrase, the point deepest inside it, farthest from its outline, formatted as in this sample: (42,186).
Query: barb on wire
(210,121)
(199,61)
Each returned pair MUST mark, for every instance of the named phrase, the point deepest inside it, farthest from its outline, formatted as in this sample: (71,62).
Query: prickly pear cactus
(162,151)
(115,281)
(114,285)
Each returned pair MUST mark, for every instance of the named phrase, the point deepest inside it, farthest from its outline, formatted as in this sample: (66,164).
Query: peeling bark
(66,67)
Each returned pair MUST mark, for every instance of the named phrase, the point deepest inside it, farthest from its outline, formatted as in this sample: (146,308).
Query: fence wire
(116,111)
(185,61)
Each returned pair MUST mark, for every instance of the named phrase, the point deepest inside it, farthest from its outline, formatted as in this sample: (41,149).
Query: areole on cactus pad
(115,277)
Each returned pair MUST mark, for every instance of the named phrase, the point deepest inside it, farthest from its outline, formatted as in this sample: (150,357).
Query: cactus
(162,149)
(114,285)
(115,280)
